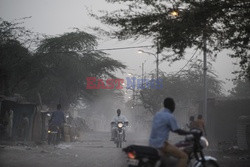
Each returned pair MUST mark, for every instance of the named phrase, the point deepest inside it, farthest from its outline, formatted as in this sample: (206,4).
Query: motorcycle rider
(58,119)
(201,124)
(192,123)
(115,120)
(164,122)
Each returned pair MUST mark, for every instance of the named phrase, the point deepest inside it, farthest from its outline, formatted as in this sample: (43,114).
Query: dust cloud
(99,116)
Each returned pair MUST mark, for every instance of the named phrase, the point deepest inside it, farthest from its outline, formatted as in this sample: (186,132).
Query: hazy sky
(54,17)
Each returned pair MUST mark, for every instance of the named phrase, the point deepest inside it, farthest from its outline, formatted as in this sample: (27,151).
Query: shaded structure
(19,121)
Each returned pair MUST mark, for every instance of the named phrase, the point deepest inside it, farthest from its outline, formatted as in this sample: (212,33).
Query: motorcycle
(119,134)
(53,134)
(193,145)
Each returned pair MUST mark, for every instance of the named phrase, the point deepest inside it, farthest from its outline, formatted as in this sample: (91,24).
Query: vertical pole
(205,76)
(157,67)
(142,75)
(133,89)
(157,61)
(43,116)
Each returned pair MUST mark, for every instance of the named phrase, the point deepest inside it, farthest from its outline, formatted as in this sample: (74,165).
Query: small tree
(184,87)
(241,89)
(14,56)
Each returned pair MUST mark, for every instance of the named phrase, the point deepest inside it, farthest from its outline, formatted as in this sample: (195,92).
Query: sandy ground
(94,151)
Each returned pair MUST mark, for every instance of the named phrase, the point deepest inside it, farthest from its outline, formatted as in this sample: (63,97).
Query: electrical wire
(130,47)
(91,50)
(187,62)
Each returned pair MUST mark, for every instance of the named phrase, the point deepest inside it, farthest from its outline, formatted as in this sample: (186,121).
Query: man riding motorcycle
(115,120)
(58,120)
(164,122)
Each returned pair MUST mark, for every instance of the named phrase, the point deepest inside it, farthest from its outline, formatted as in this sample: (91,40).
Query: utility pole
(133,86)
(205,75)
(133,89)
(142,74)
(157,61)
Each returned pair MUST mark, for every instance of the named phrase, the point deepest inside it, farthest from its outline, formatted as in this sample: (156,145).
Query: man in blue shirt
(164,122)
(58,119)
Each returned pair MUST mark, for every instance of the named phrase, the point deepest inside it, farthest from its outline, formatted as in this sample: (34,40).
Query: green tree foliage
(14,64)
(62,64)
(13,31)
(14,56)
(63,68)
(241,89)
(57,70)
(224,24)
(185,87)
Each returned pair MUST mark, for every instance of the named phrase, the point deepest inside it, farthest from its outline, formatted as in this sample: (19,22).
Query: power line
(90,50)
(130,47)
(184,65)
(187,62)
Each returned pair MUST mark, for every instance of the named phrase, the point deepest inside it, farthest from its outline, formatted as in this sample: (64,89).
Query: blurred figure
(201,124)
(72,127)
(192,123)
(10,123)
(79,127)
(115,120)
(24,127)
(58,119)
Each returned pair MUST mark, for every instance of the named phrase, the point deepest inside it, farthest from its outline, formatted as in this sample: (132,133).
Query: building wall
(223,115)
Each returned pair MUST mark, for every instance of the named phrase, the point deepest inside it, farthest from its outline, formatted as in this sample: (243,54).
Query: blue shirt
(57,118)
(163,122)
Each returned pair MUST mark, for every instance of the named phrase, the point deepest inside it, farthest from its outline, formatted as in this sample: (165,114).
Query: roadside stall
(19,121)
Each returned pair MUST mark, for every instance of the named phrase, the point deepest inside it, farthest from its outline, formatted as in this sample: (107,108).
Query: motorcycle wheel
(117,143)
(147,164)
(120,146)
(54,138)
(120,138)
(210,164)
(49,139)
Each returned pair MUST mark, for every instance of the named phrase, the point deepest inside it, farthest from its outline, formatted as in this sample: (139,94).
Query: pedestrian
(201,124)
(25,127)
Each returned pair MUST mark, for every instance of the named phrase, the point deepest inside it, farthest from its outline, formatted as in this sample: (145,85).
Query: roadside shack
(19,121)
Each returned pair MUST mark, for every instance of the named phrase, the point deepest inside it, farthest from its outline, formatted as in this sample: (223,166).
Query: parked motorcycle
(193,145)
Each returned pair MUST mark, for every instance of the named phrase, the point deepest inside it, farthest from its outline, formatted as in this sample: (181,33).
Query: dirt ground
(94,151)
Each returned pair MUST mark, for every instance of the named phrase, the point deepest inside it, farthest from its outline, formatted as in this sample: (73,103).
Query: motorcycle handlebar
(196,133)
(125,123)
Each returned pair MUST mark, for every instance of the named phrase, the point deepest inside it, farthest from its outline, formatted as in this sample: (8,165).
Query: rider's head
(199,116)
(191,118)
(169,104)
(59,106)
(118,112)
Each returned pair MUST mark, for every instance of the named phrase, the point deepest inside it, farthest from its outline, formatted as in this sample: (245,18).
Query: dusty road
(95,151)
